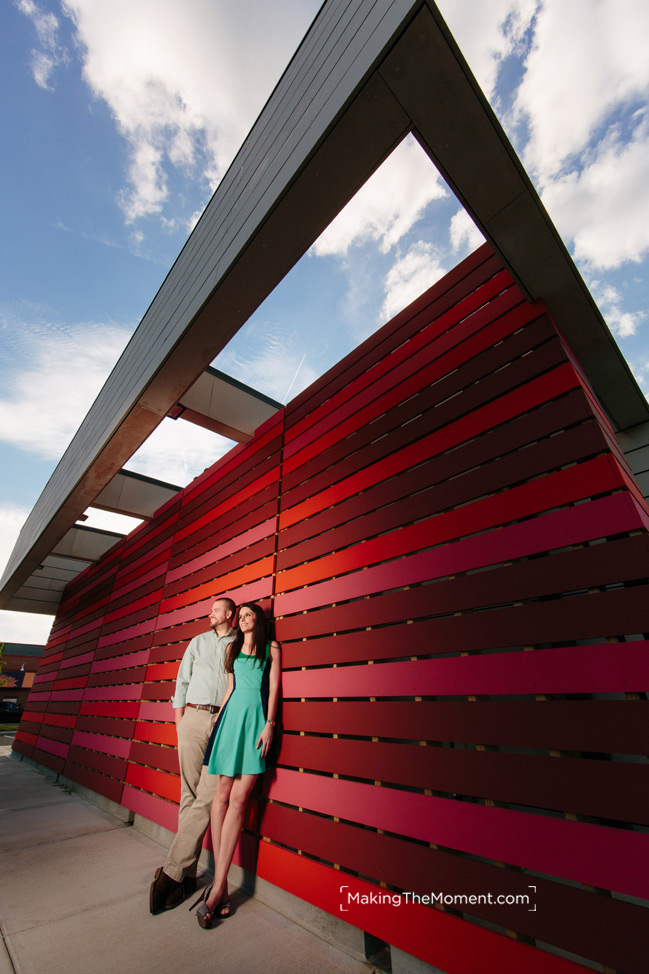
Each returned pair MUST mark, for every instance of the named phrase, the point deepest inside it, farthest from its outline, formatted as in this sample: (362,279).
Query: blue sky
(119,117)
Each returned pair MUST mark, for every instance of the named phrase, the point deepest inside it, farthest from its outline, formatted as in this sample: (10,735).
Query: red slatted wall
(456,557)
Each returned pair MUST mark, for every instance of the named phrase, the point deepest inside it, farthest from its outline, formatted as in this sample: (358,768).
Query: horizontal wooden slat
(381,508)
(612,858)
(614,790)
(613,667)
(572,725)
(539,390)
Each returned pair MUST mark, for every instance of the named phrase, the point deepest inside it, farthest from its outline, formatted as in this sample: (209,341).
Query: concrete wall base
(106,804)
(35,765)
(403,963)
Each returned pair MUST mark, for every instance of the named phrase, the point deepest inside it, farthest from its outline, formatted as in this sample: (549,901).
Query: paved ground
(74,885)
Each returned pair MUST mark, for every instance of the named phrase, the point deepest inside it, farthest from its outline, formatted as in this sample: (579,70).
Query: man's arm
(179,698)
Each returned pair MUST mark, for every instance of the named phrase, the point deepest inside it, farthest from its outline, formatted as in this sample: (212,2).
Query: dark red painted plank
(155,756)
(570,571)
(434,937)
(543,533)
(614,726)
(614,790)
(116,727)
(96,761)
(248,514)
(222,566)
(97,782)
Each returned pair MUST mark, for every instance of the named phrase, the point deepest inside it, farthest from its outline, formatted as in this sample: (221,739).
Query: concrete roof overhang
(367,73)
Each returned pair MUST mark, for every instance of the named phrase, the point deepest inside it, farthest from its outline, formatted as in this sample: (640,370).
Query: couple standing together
(234,673)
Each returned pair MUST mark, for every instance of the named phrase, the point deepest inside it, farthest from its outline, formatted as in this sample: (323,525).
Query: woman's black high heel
(204,914)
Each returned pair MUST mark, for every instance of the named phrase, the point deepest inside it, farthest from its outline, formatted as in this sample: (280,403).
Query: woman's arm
(275,676)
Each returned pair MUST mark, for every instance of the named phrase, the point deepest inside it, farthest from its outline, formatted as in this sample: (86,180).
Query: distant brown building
(20,662)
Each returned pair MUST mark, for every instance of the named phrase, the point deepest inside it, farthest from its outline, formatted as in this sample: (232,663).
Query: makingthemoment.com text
(430,899)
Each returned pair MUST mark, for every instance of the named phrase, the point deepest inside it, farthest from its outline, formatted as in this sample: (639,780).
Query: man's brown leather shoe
(180,892)
(161,887)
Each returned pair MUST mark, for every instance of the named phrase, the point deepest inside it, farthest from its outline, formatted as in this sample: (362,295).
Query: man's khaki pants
(197,789)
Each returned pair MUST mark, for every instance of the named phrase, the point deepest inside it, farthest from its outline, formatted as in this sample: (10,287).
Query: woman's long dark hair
(259,636)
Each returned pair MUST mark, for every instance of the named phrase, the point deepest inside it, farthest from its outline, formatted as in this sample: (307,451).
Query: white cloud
(183,81)
(11,521)
(622,323)
(109,521)
(52,55)
(388,205)
(268,357)
(18,627)
(604,208)
(487,33)
(178,451)
(587,61)
(412,274)
(641,372)
(465,236)
(25,627)
(58,375)
(580,111)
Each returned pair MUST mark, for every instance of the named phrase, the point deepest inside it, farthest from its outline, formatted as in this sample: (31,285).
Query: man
(200,686)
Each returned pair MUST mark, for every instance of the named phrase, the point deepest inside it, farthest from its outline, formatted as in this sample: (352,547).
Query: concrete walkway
(74,884)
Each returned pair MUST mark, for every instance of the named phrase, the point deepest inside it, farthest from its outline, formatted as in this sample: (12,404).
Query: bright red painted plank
(158,782)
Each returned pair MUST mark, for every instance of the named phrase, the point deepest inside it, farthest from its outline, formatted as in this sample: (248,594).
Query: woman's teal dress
(231,748)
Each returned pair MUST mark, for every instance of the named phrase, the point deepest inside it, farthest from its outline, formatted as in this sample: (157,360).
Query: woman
(237,749)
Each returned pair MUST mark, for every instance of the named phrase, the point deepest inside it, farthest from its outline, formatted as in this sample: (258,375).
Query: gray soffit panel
(223,405)
(635,444)
(43,589)
(86,544)
(134,494)
(367,73)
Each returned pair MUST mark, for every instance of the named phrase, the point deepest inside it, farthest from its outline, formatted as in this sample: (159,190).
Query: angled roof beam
(456,126)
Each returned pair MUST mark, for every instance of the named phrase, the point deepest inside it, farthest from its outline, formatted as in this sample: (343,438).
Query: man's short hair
(229,604)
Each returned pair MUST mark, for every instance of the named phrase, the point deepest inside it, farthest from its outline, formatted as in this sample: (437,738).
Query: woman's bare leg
(232,821)
(219,809)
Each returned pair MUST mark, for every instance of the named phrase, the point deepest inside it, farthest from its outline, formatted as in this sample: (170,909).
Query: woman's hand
(265,739)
